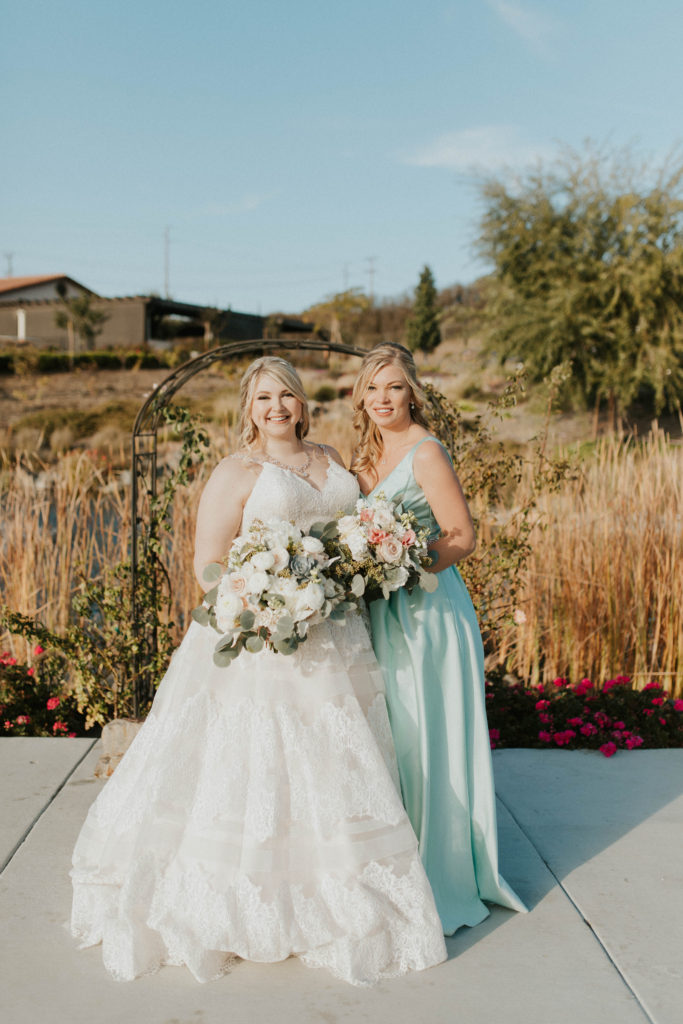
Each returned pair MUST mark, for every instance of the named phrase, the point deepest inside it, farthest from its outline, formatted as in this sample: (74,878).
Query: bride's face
(275,411)
(387,399)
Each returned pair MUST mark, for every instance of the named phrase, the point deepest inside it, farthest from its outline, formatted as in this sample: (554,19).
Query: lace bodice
(285,495)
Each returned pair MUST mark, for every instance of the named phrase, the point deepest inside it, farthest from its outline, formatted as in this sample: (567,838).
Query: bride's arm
(220,513)
(436,476)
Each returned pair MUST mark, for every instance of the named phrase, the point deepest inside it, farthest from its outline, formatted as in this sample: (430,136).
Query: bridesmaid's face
(387,399)
(274,409)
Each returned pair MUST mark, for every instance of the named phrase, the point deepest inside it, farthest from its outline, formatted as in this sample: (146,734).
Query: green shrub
(325,393)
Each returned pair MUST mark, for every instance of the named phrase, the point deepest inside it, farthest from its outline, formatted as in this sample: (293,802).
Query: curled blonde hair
(370,447)
(284,373)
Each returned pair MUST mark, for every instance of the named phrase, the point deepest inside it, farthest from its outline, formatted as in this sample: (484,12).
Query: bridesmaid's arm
(219,514)
(435,475)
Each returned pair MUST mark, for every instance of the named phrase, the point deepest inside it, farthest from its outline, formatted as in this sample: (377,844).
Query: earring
(412,405)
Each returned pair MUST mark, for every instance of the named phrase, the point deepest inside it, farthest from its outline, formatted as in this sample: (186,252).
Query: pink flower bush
(607,717)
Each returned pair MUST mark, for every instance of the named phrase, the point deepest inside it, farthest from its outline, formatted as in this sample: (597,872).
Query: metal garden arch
(144,471)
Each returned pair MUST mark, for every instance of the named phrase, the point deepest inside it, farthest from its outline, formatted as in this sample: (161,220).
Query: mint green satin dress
(431,654)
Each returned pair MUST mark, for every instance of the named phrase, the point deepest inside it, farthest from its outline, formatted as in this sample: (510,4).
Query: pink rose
(544,736)
(23,719)
(365,515)
(608,749)
(634,741)
(560,681)
(408,538)
(30,671)
(60,727)
(678,705)
(541,705)
(658,701)
(38,649)
(376,536)
(52,703)
(238,583)
(390,549)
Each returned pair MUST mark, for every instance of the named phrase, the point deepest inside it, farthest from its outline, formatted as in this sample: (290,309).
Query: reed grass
(603,593)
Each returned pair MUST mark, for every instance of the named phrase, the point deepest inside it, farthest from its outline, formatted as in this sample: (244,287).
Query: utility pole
(10,268)
(167,260)
(370,260)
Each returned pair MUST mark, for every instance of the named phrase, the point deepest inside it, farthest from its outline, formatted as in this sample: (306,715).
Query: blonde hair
(284,373)
(387,353)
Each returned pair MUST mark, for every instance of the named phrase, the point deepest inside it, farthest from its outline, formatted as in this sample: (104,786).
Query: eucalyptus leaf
(211,595)
(254,644)
(247,619)
(358,585)
(201,615)
(213,572)
(225,643)
(224,658)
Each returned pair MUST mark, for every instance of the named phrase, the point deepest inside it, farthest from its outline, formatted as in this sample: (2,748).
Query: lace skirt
(256,815)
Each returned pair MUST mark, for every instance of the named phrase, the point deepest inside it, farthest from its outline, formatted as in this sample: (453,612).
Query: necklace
(299,470)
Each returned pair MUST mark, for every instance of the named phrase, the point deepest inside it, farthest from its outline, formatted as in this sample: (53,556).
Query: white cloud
(247,203)
(485,148)
(533,26)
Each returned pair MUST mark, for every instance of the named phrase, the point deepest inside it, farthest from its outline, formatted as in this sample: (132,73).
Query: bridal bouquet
(274,585)
(380,548)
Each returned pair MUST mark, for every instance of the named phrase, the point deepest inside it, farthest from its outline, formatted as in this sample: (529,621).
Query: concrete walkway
(592,845)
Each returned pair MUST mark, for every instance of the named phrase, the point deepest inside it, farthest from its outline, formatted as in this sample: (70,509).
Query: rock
(117,736)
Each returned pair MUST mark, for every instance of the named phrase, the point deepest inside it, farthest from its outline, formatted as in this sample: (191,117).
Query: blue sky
(295,148)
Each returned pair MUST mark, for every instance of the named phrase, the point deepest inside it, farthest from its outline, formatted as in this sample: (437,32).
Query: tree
(588,268)
(422,329)
(79,319)
(340,314)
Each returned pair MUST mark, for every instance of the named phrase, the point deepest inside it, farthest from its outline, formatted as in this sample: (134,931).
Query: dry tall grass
(603,594)
(604,588)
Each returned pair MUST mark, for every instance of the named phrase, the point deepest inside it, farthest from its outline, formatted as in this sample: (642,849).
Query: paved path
(593,846)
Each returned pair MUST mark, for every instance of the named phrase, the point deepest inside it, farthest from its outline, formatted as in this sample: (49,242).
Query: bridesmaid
(430,648)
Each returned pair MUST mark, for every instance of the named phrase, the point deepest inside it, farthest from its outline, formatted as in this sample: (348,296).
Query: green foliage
(588,269)
(101,647)
(78,316)
(488,472)
(33,360)
(325,393)
(422,329)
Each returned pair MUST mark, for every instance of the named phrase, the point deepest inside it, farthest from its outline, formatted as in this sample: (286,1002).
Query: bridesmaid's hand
(435,475)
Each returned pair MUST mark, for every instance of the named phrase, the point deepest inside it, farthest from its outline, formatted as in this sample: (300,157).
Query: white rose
(257,582)
(262,560)
(312,546)
(347,524)
(228,607)
(280,558)
(384,518)
(357,544)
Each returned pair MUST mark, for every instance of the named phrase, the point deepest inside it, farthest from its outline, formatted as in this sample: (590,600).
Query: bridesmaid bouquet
(274,585)
(380,548)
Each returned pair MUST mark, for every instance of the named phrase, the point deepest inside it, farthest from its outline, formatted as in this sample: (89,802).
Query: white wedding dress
(256,814)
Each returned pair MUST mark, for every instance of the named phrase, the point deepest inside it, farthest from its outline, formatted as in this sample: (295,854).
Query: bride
(256,815)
